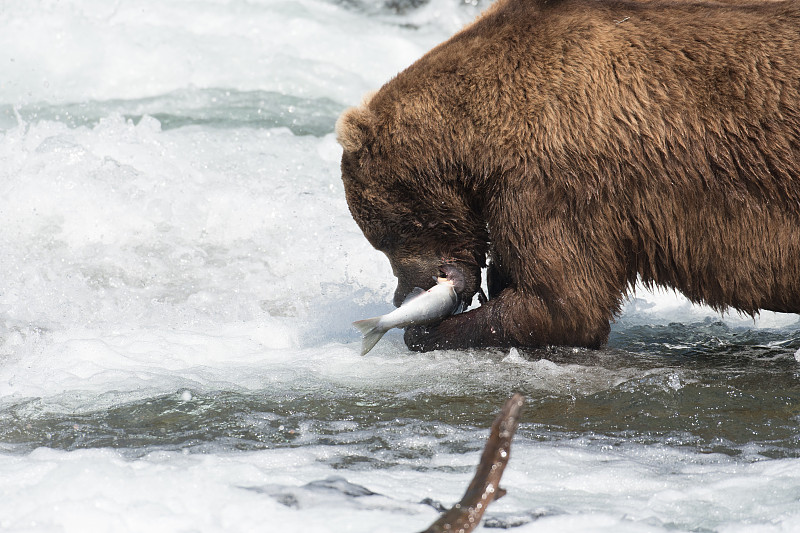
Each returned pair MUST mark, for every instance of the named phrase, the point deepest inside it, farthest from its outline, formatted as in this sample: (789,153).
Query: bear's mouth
(422,272)
(468,274)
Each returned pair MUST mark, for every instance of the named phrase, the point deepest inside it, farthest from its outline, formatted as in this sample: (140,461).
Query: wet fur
(580,144)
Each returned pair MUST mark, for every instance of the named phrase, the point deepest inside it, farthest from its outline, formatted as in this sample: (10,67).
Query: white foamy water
(179,275)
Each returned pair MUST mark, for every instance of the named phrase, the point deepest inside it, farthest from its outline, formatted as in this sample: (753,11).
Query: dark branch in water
(483,490)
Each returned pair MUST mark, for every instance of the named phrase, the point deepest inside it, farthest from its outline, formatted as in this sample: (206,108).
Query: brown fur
(580,144)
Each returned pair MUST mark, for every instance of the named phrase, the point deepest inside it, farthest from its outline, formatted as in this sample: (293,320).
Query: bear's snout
(423,274)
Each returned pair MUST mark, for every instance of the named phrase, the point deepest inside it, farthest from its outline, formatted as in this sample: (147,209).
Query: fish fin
(417,291)
(369,328)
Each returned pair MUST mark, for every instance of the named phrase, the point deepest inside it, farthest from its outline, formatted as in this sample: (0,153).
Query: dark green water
(214,108)
(704,386)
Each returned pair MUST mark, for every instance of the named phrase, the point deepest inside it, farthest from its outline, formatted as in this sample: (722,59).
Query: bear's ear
(354,126)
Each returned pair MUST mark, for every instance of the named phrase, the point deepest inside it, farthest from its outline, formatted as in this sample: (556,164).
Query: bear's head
(408,202)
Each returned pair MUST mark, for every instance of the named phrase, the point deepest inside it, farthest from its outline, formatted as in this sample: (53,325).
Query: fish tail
(372,334)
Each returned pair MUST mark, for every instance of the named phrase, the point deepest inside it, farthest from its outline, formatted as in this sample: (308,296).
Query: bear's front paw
(420,338)
(455,332)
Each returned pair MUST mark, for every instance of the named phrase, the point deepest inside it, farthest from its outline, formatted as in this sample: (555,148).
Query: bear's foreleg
(511,319)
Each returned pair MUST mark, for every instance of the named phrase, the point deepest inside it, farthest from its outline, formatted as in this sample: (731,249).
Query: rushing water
(180,272)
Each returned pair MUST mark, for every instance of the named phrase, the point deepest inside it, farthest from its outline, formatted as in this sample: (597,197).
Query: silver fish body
(420,307)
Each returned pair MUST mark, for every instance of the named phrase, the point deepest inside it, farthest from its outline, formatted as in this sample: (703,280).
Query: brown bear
(580,145)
